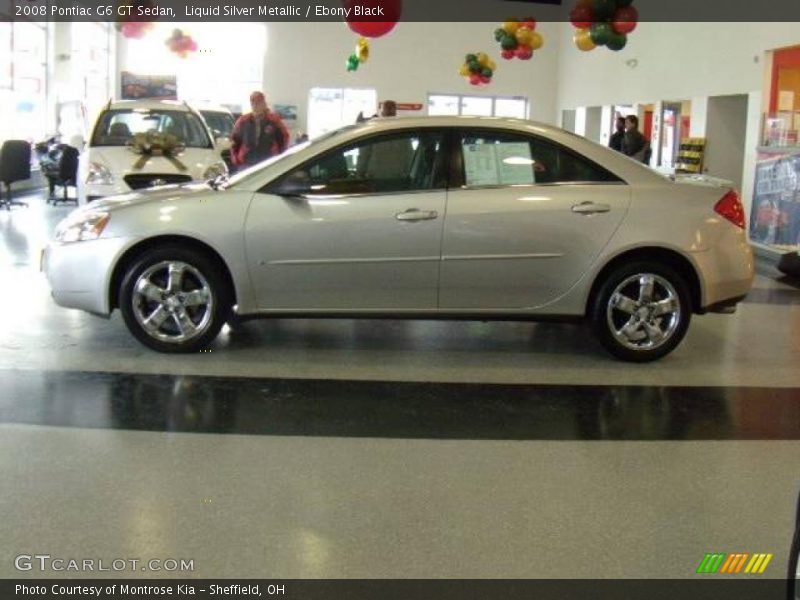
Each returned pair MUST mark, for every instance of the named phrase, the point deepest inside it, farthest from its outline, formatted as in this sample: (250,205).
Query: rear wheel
(642,311)
(174,300)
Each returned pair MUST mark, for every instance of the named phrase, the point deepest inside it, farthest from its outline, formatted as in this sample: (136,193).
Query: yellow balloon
(492,65)
(524,36)
(511,26)
(464,72)
(362,50)
(483,58)
(583,40)
(537,41)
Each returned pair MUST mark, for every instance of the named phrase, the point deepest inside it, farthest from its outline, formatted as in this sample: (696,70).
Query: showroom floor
(393,448)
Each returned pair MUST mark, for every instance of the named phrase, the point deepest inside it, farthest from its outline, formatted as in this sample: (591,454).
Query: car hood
(122,161)
(163,193)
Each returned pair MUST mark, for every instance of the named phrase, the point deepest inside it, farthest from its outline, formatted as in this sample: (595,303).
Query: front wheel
(642,311)
(173,299)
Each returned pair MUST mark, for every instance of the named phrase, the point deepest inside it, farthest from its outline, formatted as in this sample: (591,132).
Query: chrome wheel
(172,302)
(644,311)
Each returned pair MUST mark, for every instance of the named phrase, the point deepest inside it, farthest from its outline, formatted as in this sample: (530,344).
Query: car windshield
(118,126)
(246,174)
(221,123)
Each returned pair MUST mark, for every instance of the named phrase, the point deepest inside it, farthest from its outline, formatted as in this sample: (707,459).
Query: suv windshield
(219,122)
(117,127)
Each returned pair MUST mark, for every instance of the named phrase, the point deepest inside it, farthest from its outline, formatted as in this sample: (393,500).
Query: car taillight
(730,207)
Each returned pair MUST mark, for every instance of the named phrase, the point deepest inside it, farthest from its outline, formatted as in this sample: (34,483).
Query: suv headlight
(99,174)
(82,227)
(216,170)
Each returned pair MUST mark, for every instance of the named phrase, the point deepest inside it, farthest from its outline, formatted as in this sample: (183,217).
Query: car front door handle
(415,214)
(590,208)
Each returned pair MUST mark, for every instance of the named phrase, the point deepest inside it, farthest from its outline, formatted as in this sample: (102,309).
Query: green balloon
(604,9)
(471,58)
(499,34)
(352,63)
(474,66)
(486,72)
(601,33)
(509,42)
(617,41)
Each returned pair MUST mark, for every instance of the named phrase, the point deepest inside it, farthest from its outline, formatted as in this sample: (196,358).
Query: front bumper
(80,273)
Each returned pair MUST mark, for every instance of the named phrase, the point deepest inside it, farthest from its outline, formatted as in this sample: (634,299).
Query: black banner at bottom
(403,589)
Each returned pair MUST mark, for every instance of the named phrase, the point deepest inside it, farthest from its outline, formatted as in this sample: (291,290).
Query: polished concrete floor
(408,449)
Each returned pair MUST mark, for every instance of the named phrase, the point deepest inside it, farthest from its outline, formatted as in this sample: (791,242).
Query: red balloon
(582,16)
(193,45)
(625,20)
(475,79)
(524,52)
(386,15)
(508,54)
(530,23)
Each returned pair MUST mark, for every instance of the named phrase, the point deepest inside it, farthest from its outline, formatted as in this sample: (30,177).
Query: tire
(632,328)
(177,315)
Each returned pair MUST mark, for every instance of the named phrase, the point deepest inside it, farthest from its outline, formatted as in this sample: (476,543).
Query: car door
(357,228)
(527,221)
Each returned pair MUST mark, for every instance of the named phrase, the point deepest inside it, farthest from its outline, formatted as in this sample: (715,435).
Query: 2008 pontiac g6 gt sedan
(429,218)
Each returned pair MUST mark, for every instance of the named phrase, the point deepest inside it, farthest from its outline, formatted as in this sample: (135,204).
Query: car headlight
(215,170)
(99,174)
(82,228)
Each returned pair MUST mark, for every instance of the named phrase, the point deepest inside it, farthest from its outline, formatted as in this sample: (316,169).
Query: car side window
(506,158)
(409,161)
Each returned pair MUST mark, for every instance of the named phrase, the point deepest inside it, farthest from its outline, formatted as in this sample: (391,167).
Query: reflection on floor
(393,448)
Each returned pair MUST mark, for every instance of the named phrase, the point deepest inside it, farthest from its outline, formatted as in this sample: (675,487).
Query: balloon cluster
(180,43)
(134,27)
(478,68)
(518,38)
(134,30)
(603,23)
(368,26)
(361,55)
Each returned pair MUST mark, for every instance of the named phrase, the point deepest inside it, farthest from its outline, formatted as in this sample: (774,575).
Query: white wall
(726,130)
(413,60)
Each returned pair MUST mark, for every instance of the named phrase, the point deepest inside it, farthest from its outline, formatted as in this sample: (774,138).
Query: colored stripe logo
(734,564)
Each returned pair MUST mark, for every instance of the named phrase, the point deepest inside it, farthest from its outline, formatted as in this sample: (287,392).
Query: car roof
(149,104)
(385,123)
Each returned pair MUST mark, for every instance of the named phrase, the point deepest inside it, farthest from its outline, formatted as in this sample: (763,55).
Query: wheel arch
(655,254)
(135,251)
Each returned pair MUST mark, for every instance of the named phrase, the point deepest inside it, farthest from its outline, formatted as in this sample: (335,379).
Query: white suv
(138,144)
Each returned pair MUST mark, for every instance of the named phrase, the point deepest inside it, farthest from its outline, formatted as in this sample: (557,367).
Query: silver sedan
(428,218)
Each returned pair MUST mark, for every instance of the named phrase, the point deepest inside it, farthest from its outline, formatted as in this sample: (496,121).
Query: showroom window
(403,162)
(331,108)
(480,106)
(23,80)
(207,76)
(92,66)
(496,159)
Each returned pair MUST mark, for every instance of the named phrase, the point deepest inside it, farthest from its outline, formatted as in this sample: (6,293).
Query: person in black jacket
(616,138)
(634,144)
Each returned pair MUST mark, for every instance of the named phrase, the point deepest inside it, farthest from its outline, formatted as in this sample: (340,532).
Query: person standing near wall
(618,136)
(258,135)
(634,144)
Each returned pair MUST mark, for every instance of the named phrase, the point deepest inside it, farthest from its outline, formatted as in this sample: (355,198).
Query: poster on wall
(775,216)
(160,87)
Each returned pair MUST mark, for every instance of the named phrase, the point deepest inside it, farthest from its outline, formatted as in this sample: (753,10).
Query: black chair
(67,174)
(15,165)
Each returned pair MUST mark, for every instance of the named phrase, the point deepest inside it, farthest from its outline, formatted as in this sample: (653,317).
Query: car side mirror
(298,184)
(222,143)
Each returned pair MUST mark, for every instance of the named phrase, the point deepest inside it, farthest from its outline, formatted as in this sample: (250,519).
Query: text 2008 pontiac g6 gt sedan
(441,217)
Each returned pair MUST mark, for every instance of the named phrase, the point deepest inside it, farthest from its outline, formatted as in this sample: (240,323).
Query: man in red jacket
(258,135)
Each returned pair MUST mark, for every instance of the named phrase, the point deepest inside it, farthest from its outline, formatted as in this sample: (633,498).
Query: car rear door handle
(415,214)
(590,208)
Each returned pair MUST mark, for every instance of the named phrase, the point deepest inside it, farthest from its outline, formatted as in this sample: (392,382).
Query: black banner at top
(385,10)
